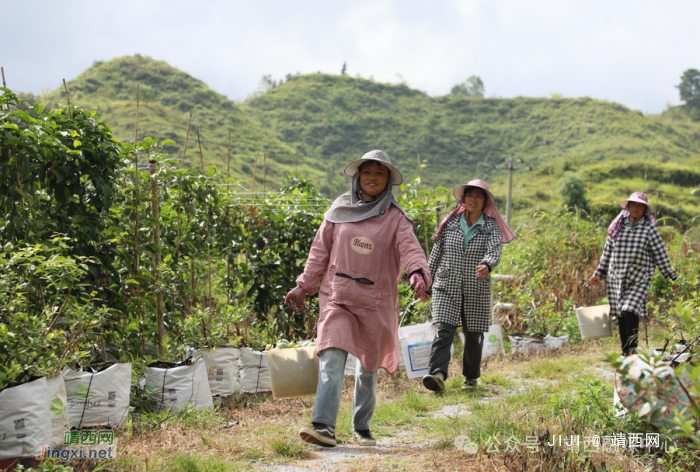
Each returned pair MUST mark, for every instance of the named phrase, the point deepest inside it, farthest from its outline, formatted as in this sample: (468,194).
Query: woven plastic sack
(521,344)
(222,369)
(58,406)
(98,399)
(253,373)
(25,420)
(180,386)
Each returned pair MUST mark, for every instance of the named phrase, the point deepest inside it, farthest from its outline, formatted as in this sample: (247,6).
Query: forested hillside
(319,122)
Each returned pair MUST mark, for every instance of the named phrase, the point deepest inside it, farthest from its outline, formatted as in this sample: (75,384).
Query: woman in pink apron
(357,255)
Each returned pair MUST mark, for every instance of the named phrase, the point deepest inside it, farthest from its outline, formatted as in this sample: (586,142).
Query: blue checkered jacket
(456,289)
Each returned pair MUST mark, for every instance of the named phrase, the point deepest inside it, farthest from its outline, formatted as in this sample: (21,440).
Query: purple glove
(418,284)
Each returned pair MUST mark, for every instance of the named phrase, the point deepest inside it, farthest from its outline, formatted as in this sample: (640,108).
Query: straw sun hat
(378,156)
(638,197)
(458,192)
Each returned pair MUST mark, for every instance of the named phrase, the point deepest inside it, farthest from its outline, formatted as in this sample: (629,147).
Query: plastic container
(594,321)
(493,341)
(293,371)
(416,342)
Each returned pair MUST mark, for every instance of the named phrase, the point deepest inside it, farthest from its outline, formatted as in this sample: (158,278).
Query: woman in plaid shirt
(633,250)
(467,248)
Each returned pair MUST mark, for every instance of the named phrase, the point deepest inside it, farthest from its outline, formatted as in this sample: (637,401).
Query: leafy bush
(48,317)
(553,263)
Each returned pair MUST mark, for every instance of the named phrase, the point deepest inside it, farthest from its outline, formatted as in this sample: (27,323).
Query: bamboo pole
(136,195)
(193,300)
(228,219)
(65,86)
(251,215)
(255,169)
(264,171)
(156,258)
(19,184)
(2,69)
(211,304)
(425,225)
(228,162)
(420,172)
(179,191)
(201,156)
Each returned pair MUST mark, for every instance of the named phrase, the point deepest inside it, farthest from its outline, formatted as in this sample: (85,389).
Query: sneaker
(470,384)
(364,438)
(434,383)
(320,434)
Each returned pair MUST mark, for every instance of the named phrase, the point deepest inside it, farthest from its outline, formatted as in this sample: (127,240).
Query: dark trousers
(629,331)
(440,354)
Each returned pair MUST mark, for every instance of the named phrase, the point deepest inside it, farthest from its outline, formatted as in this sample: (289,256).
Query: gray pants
(440,354)
(331,372)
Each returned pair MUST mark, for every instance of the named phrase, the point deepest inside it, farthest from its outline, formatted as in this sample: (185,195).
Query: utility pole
(510,165)
(510,189)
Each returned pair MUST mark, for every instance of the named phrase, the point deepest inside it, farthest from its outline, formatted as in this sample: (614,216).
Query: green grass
(564,397)
(196,463)
(498,380)
(290,446)
(553,369)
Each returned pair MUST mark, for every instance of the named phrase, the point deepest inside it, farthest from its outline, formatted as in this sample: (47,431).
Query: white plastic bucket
(416,342)
(594,321)
(293,372)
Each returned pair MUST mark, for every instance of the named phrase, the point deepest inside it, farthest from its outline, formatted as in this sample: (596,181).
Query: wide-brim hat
(638,197)
(459,190)
(382,158)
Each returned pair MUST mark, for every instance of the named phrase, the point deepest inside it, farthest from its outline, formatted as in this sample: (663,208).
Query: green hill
(166,96)
(319,122)
(617,149)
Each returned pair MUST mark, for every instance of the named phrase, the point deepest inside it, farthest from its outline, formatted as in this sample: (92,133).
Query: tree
(344,71)
(689,89)
(572,189)
(472,87)
(267,83)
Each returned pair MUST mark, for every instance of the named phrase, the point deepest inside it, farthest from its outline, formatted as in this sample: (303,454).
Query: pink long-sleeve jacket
(358,318)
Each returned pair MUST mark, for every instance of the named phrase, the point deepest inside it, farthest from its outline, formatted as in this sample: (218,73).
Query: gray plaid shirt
(456,289)
(627,265)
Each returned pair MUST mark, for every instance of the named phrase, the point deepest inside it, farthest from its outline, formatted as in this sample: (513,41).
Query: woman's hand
(418,285)
(424,298)
(482,271)
(295,299)
(675,288)
(594,280)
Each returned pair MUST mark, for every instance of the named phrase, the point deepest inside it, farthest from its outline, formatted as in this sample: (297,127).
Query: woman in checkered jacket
(467,248)
(633,250)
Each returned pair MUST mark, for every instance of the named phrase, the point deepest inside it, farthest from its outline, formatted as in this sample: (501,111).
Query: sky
(628,52)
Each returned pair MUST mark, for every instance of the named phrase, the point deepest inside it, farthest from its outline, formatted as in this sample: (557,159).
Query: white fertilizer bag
(253,374)
(99,399)
(58,406)
(493,341)
(25,420)
(555,342)
(520,344)
(222,369)
(177,386)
